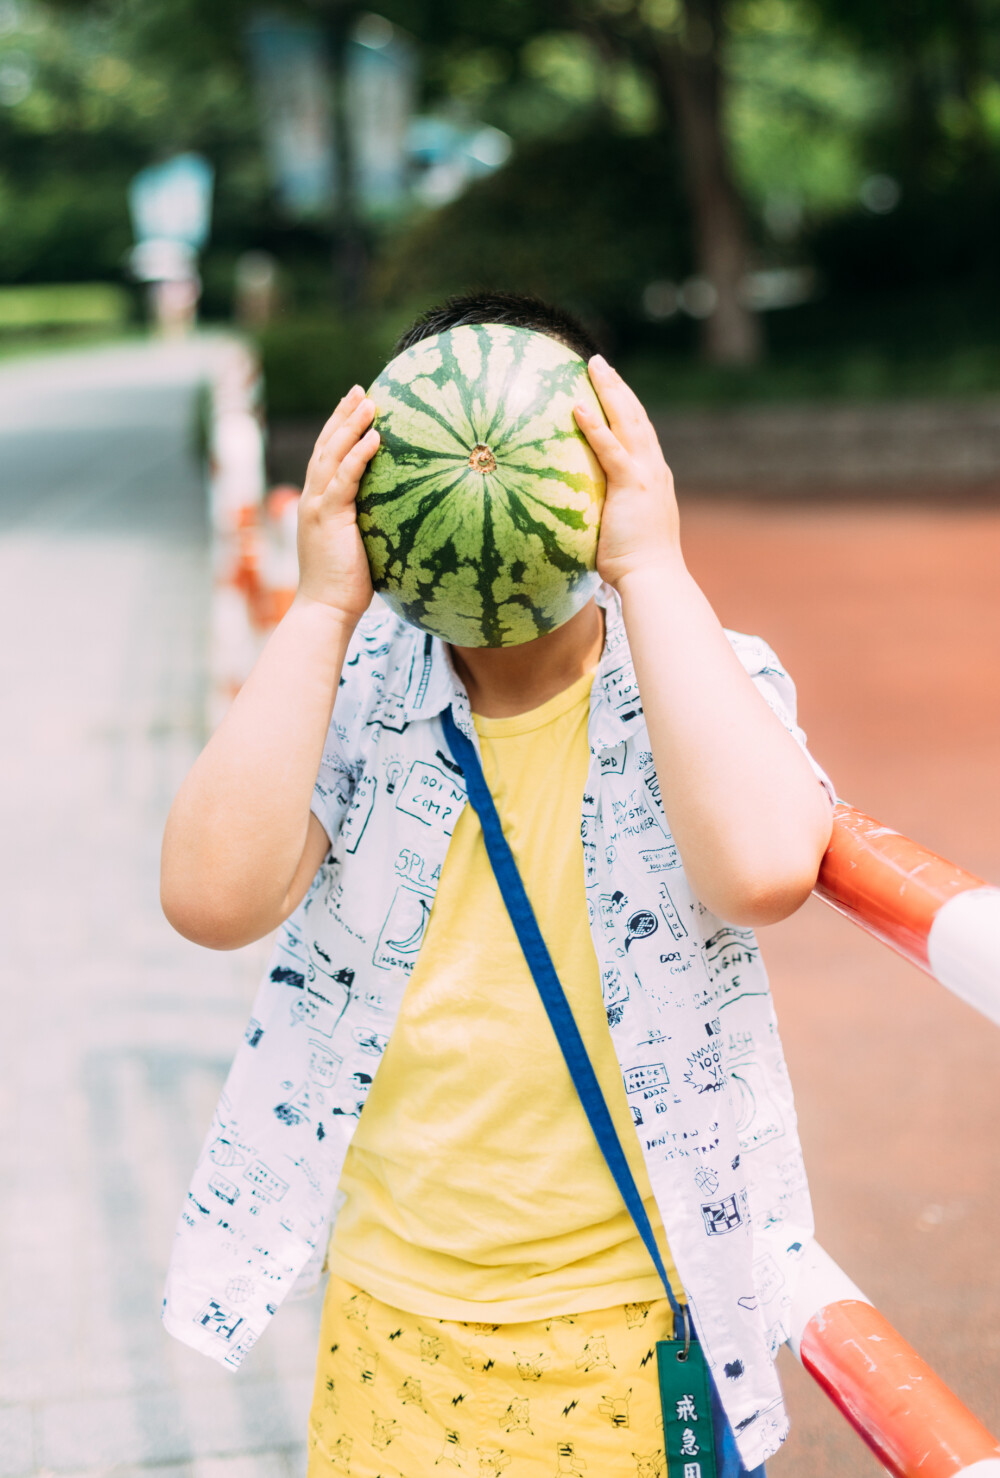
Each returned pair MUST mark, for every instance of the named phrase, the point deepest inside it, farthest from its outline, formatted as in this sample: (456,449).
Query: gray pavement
(117,1032)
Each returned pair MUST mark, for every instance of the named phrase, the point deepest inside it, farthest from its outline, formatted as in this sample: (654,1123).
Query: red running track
(890,622)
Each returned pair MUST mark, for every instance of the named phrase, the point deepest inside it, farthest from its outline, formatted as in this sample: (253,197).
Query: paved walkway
(122,1031)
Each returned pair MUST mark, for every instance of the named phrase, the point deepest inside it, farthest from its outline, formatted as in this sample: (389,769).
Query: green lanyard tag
(688,1434)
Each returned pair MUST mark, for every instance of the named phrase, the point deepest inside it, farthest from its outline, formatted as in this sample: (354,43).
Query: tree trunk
(920,134)
(350,244)
(690,77)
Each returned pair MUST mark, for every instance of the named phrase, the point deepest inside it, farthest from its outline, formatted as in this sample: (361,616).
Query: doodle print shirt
(688,1005)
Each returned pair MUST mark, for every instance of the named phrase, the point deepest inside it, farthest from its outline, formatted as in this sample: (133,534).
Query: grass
(64,305)
(46,318)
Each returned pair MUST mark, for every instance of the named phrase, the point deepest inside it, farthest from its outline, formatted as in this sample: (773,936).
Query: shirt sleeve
(334,786)
(338,770)
(778,691)
(370,655)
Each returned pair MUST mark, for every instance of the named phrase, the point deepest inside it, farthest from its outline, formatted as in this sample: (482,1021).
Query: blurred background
(782,220)
(747,199)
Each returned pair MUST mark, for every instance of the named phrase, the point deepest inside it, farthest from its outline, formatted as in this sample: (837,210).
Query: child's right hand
(333,566)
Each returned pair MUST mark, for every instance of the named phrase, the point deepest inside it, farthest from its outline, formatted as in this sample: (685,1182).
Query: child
(491,1307)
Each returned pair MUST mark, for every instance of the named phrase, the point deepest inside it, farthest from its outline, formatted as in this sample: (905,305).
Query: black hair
(519,310)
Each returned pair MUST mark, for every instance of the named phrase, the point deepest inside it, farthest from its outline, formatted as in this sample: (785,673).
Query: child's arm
(241,845)
(748,815)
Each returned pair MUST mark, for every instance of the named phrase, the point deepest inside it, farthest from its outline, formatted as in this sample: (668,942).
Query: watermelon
(481,508)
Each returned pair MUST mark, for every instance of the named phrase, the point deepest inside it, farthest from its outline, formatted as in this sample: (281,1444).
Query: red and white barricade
(914,1424)
(934,913)
(277,557)
(254,563)
(947,921)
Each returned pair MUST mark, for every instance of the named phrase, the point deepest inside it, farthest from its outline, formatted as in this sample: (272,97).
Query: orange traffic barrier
(909,1418)
(277,572)
(254,557)
(933,912)
(235,478)
(946,920)
(897,1404)
(915,1425)
(890,885)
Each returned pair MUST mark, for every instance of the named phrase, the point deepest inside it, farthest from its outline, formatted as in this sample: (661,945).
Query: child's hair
(519,310)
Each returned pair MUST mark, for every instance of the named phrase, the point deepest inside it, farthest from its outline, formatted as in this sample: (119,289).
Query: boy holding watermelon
(492,1308)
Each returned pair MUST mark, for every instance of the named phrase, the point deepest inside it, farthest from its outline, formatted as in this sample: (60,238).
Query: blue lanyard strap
(557,1008)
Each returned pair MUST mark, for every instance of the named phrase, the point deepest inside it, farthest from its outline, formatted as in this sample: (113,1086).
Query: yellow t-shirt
(474,1185)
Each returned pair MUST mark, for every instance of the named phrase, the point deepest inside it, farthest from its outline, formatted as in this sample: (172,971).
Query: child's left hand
(640,526)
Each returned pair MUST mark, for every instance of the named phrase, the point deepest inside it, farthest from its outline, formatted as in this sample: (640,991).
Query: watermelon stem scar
(481,459)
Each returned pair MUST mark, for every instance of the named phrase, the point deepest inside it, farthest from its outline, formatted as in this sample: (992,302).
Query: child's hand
(639,527)
(333,566)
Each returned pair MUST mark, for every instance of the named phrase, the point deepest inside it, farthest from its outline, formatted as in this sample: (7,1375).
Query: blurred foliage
(310,362)
(865,139)
(803,108)
(88,100)
(938,243)
(918,344)
(587,221)
(943,58)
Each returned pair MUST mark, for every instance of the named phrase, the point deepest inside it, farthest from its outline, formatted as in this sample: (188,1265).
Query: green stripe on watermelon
(481,509)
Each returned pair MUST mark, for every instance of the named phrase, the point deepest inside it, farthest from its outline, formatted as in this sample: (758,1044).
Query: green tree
(677,48)
(945,58)
(675,45)
(680,44)
(87,101)
(767,112)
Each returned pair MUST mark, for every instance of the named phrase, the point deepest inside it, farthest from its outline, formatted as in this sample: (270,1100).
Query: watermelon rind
(480,511)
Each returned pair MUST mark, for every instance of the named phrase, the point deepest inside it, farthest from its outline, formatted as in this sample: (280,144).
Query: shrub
(585,222)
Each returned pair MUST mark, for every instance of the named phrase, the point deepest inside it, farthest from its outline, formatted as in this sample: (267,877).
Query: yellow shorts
(401,1396)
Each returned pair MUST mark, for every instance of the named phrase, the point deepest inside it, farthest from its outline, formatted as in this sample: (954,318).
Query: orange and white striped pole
(947,921)
(254,558)
(934,913)
(278,561)
(914,1424)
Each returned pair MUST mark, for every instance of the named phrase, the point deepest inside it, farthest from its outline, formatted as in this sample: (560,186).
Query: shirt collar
(615,705)
(431,683)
